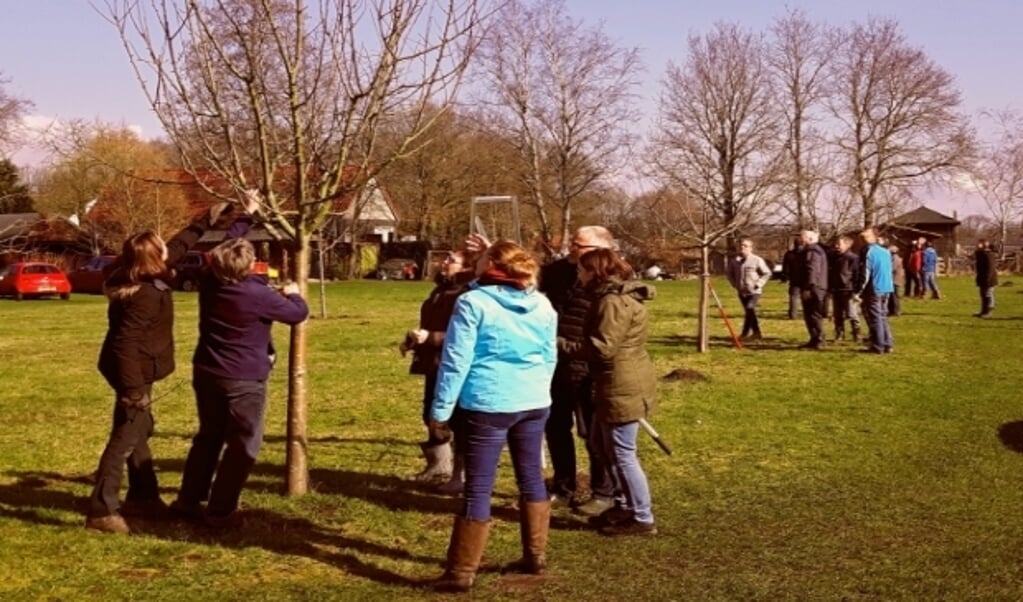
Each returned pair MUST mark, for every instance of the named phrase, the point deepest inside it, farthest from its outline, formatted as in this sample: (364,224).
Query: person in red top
(914,267)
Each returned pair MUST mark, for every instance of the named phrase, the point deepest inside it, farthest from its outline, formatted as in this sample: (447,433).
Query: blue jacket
(930,260)
(875,276)
(499,354)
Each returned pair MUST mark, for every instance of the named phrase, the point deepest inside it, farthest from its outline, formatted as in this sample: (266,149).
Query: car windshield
(39,268)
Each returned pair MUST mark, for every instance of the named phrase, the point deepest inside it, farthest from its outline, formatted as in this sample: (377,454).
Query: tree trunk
(701,338)
(297,459)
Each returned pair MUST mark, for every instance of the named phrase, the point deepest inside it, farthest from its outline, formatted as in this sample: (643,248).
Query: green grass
(800,475)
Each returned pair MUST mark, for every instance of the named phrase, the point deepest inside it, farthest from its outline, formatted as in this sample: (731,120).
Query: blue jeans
(875,309)
(230,420)
(987,299)
(930,284)
(632,490)
(485,436)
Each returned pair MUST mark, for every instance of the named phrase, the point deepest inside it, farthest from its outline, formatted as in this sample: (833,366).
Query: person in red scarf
(497,363)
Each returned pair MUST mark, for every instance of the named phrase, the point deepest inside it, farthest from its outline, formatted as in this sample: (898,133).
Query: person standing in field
(914,266)
(842,279)
(748,273)
(812,280)
(442,462)
(497,363)
(230,368)
(624,384)
(898,275)
(986,277)
(137,352)
(791,268)
(874,284)
(929,271)
(572,387)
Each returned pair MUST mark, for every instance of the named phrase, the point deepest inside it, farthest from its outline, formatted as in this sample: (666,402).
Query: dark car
(88,278)
(397,268)
(34,279)
(188,271)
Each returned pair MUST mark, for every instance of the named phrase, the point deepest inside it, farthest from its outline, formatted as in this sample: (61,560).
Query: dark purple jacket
(234,325)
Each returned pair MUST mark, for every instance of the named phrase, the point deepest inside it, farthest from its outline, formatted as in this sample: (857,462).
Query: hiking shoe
(186,511)
(151,509)
(595,506)
(629,527)
(612,516)
(112,523)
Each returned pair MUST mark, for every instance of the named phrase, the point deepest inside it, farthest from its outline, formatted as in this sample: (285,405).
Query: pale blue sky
(64,57)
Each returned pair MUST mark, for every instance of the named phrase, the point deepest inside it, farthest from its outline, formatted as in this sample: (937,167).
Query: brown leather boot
(534,523)
(468,538)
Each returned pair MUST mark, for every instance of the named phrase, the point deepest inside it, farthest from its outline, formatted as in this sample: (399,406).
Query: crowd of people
(511,354)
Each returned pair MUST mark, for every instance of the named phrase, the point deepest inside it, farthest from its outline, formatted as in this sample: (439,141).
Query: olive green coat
(615,346)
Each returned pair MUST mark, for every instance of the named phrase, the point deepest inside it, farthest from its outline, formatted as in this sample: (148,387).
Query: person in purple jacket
(229,372)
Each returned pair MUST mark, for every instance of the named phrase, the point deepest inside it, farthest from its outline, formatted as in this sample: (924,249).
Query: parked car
(395,269)
(188,270)
(33,279)
(88,278)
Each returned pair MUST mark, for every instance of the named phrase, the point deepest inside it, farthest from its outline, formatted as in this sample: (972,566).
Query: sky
(65,58)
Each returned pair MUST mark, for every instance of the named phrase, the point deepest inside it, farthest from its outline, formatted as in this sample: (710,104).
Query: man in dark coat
(841,281)
(813,285)
(791,267)
(987,276)
(571,389)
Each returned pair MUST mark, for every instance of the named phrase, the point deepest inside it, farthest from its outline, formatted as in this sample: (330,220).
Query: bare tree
(799,55)
(720,140)
(12,110)
(898,113)
(997,173)
(565,93)
(288,97)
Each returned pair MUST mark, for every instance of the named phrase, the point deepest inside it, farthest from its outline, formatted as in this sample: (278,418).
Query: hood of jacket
(509,297)
(118,284)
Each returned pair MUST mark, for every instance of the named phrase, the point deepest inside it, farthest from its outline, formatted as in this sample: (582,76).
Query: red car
(88,278)
(33,279)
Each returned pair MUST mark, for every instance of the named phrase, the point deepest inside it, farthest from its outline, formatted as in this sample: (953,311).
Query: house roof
(922,216)
(13,225)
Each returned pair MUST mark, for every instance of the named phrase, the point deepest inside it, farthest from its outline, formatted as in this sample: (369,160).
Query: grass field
(800,475)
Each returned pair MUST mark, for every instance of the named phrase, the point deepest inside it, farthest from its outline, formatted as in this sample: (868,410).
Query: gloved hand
(856,299)
(439,431)
(134,399)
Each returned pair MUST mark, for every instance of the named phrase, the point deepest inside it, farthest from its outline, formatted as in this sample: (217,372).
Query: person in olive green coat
(624,383)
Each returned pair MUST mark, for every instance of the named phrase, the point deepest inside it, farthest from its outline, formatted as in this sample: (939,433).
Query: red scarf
(494,275)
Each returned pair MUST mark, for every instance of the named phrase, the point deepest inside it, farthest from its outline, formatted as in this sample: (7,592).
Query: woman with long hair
(138,350)
(624,384)
(497,364)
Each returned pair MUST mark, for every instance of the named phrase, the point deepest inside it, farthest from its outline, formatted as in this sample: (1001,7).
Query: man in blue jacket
(874,284)
(930,271)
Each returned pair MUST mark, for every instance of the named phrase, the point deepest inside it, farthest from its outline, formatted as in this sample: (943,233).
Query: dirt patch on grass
(685,375)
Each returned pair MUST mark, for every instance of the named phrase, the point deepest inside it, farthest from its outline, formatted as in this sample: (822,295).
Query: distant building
(927,223)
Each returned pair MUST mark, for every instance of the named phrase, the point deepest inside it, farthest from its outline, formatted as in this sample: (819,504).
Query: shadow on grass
(1011,435)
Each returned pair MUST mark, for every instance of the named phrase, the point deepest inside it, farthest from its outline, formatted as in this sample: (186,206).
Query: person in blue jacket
(874,284)
(499,354)
(229,371)
(930,271)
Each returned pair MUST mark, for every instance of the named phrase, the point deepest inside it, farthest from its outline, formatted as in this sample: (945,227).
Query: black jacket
(138,349)
(558,281)
(987,271)
(813,274)
(842,271)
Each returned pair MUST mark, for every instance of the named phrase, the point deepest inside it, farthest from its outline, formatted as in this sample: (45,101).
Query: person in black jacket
(138,350)
(791,268)
(986,277)
(426,342)
(572,387)
(842,282)
(813,285)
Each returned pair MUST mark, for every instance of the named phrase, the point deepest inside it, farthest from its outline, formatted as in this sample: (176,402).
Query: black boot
(468,538)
